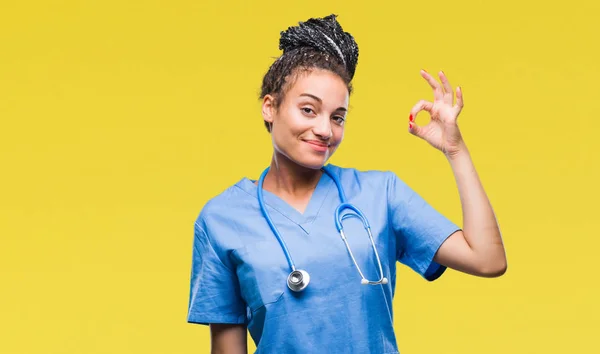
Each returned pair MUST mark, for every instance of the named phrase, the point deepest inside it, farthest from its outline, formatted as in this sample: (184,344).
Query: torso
(246,268)
(336,307)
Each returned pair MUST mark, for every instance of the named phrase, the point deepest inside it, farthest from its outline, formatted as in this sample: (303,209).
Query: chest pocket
(262,271)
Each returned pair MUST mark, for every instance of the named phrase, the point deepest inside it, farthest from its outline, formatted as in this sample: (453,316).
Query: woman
(268,256)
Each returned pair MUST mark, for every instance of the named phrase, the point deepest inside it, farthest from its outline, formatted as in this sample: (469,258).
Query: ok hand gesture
(442,131)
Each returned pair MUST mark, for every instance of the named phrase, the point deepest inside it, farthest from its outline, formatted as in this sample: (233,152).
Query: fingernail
(410,118)
(410,125)
(424,70)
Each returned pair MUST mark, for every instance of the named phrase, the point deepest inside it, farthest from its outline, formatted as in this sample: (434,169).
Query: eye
(307,110)
(339,119)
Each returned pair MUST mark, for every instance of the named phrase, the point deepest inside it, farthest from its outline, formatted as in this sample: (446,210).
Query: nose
(322,128)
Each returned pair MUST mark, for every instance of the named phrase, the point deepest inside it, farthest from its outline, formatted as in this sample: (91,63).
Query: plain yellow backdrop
(120,119)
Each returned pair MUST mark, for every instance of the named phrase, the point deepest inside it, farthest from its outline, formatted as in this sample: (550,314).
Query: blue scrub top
(239,271)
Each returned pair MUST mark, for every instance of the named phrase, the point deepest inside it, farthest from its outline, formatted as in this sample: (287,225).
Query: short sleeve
(214,289)
(419,228)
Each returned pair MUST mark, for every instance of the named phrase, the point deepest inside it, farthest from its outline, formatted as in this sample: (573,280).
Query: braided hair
(319,43)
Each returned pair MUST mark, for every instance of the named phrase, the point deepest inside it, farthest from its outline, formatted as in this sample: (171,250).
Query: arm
(228,339)
(478,248)
(215,296)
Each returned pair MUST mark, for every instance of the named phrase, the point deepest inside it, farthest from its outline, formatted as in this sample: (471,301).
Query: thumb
(415,130)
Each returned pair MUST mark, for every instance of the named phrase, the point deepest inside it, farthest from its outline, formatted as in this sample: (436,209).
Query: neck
(286,177)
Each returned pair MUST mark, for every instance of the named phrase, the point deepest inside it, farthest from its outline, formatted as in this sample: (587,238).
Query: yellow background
(120,119)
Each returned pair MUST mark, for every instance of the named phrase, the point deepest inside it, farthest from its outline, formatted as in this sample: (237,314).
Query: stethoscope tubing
(338,223)
(263,209)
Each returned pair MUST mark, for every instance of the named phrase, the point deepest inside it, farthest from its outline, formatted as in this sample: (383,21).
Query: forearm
(480,227)
(228,339)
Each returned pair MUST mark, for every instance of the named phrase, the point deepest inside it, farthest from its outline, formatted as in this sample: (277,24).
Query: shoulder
(227,204)
(364,177)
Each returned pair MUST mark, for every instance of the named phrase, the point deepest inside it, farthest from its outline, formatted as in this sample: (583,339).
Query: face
(308,126)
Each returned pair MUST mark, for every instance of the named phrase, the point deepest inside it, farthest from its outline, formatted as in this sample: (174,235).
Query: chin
(313,162)
(308,159)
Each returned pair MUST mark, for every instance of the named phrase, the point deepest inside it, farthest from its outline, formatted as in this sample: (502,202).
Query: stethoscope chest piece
(298,280)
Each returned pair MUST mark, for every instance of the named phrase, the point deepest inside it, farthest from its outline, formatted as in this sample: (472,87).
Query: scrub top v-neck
(303,220)
(239,271)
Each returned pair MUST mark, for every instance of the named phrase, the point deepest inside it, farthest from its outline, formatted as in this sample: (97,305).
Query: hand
(442,130)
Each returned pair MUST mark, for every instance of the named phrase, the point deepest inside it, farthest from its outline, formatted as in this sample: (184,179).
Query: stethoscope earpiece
(383,280)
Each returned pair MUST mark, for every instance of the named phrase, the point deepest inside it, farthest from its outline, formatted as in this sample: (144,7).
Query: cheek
(297,122)
(338,135)
(284,132)
(292,123)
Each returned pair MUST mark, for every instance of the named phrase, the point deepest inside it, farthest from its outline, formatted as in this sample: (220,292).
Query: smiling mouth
(317,143)
(318,146)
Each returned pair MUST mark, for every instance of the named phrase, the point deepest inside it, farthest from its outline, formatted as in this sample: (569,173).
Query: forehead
(329,87)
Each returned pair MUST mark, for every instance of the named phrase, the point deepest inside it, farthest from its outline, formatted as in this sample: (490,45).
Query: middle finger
(438,92)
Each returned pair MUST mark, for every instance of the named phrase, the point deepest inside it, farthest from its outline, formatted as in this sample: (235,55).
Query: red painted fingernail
(410,118)
(410,125)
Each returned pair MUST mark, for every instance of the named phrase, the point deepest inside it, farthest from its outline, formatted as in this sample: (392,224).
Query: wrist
(458,153)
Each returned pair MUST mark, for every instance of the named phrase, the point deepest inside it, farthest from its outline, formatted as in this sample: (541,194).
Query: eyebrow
(321,101)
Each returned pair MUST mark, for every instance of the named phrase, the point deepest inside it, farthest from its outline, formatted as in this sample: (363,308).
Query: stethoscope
(298,279)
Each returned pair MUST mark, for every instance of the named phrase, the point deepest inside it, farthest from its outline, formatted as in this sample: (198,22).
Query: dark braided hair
(316,43)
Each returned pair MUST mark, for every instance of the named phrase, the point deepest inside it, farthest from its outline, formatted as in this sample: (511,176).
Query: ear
(268,108)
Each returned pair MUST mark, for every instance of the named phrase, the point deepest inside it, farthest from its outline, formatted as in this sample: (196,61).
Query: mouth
(317,145)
